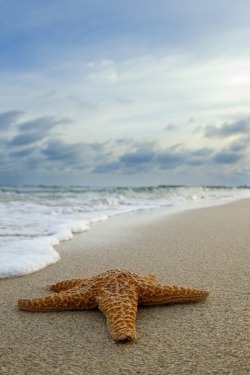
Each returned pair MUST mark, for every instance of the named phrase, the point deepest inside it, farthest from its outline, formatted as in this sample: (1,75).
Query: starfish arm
(69,300)
(152,294)
(65,285)
(151,277)
(120,312)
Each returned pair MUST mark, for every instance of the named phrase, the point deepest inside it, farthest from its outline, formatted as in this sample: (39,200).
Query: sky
(135,92)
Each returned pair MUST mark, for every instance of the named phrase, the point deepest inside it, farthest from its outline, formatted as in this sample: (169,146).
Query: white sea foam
(34,219)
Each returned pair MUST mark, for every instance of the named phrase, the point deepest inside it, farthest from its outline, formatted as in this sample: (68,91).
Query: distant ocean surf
(33,219)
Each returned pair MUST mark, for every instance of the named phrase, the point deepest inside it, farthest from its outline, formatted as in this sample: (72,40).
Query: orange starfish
(117,294)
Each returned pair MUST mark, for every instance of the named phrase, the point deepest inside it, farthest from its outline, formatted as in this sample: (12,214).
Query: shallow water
(33,219)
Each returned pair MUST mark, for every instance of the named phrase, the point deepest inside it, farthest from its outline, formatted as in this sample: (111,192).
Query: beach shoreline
(205,248)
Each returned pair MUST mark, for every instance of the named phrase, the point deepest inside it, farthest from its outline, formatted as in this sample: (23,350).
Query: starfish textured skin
(116,293)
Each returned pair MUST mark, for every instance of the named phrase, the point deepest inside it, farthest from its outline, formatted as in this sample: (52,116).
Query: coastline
(204,247)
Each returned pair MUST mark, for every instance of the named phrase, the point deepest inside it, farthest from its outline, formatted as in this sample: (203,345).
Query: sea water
(33,219)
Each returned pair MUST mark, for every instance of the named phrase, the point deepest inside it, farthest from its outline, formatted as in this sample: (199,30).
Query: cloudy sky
(135,92)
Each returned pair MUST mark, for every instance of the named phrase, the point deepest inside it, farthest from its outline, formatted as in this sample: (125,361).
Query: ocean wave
(33,219)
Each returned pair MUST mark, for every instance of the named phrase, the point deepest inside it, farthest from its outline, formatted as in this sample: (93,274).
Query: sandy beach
(204,248)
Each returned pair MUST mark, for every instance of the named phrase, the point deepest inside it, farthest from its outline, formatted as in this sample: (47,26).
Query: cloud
(199,157)
(151,159)
(34,130)
(174,158)
(59,150)
(169,159)
(227,157)
(7,119)
(241,144)
(27,138)
(22,153)
(228,129)
(138,157)
(234,153)
(37,150)
(202,152)
(57,158)
(46,123)
(107,168)
(172,127)
(74,156)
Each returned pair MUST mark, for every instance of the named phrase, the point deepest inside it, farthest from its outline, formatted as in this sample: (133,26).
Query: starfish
(116,293)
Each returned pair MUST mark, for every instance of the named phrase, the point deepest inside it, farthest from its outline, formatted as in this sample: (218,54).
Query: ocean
(33,219)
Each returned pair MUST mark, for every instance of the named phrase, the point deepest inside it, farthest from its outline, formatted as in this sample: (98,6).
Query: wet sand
(204,248)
